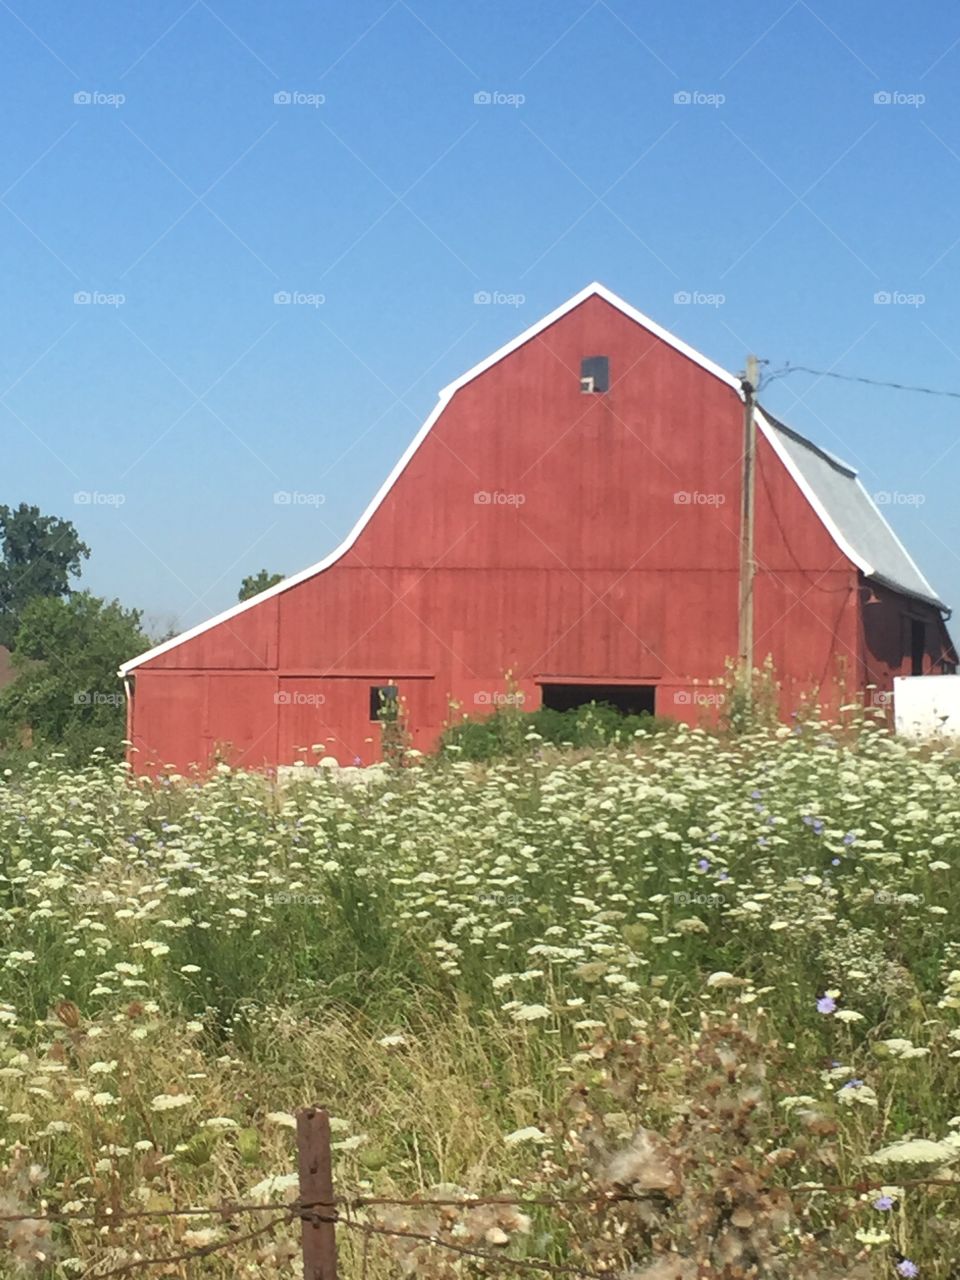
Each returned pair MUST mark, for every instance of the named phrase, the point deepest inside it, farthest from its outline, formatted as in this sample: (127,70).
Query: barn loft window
(628,699)
(918,646)
(383,702)
(595,374)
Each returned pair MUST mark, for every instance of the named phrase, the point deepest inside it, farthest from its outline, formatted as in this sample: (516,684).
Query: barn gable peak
(594,290)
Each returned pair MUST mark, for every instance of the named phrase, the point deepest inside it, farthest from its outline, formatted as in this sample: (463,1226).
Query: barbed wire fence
(321,1212)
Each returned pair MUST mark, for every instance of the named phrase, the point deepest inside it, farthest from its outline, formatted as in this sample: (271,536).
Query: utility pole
(747,512)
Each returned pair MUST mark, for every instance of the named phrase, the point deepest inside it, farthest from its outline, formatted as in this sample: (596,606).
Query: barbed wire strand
(466,1202)
(529,1264)
(308,1212)
(108,1216)
(189,1255)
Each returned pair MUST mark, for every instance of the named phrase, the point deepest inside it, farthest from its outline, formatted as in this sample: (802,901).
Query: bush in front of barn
(508,731)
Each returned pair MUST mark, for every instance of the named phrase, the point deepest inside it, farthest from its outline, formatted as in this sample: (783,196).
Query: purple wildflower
(835,862)
(703,864)
(755,794)
(853,1084)
(907,1268)
(883,1203)
(849,838)
(826,1004)
(817,826)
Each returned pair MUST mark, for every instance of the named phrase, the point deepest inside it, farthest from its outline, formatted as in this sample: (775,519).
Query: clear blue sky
(783,187)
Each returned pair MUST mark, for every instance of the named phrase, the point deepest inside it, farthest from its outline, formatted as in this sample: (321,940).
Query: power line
(849,377)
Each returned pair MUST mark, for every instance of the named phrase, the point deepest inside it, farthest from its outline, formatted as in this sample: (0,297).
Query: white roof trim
(800,479)
(590,291)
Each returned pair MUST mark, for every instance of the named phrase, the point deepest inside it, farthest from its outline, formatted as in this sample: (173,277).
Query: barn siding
(596,569)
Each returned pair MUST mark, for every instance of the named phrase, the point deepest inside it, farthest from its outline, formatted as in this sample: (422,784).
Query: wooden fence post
(315,1163)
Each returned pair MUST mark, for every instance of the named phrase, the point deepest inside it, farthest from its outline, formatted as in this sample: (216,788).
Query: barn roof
(846,508)
(832,488)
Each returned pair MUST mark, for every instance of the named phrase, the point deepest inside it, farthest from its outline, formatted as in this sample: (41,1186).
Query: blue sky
(181,197)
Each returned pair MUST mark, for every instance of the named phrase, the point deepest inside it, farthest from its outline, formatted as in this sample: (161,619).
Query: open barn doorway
(629,699)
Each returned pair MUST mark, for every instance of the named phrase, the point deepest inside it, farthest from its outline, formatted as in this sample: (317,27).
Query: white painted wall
(927,706)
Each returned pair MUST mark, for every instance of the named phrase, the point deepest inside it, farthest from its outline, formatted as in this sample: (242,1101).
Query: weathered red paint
(595,569)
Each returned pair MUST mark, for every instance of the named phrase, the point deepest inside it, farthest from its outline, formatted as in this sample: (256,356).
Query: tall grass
(455,953)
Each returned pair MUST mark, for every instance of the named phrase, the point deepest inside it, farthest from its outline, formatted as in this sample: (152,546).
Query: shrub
(510,732)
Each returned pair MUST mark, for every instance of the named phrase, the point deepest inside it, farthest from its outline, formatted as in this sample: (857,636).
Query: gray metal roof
(854,515)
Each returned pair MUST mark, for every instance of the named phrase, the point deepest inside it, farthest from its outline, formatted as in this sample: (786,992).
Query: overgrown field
(720,976)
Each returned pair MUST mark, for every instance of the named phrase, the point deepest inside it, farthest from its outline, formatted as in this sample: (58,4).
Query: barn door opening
(918,645)
(629,699)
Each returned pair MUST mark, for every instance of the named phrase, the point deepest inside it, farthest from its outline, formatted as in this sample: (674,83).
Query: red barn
(569,513)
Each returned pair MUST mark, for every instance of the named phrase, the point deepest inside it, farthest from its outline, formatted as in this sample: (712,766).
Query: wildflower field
(717,977)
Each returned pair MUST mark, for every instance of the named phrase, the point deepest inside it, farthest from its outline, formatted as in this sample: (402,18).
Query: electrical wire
(850,377)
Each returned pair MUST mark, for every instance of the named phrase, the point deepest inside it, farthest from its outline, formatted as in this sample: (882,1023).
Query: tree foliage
(38,556)
(67,695)
(254,583)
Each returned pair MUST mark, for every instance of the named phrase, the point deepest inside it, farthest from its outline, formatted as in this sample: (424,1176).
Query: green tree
(257,582)
(67,695)
(38,556)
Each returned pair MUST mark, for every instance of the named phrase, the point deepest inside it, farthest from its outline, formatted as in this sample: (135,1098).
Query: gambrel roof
(831,487)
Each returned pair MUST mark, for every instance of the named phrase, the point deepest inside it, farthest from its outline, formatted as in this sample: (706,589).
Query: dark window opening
(595,373)
(918,646)
(383,702)
(629,699)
